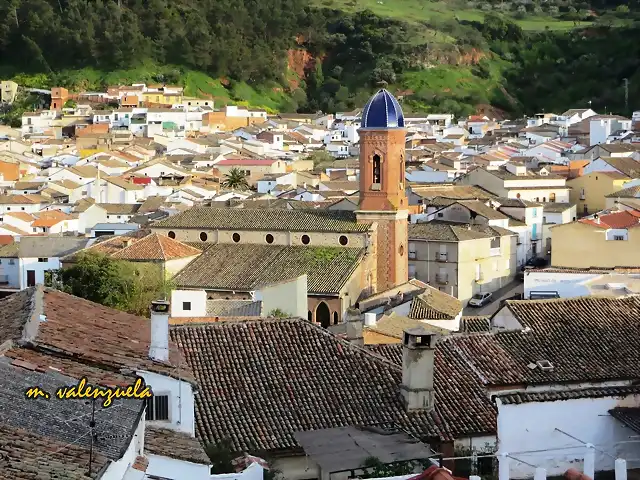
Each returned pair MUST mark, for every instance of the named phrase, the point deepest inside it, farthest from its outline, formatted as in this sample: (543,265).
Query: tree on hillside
(236,179)
(126,286)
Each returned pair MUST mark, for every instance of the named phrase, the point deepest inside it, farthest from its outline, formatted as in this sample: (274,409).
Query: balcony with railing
(442,278)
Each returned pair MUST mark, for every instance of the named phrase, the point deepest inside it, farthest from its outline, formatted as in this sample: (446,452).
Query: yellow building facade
(588,192)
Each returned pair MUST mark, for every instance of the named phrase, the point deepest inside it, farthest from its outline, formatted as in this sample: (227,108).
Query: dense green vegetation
(126,286)
(453,55)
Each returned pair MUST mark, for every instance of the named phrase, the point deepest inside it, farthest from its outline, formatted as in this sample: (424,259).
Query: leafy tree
(236,180)
(117,284)
(277,313)
(320,157)
(70,104)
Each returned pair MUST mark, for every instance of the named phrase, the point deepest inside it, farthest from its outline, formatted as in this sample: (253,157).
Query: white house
(603,127)
(567,283)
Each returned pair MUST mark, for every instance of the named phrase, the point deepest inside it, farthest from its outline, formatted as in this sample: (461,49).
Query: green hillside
(307,55)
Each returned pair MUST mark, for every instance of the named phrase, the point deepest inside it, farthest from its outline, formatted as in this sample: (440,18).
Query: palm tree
(236,179)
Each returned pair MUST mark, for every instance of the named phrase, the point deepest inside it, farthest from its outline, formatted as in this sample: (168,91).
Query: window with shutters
(158,408)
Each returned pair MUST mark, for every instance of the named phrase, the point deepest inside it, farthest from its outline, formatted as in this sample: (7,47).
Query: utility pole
(626,95)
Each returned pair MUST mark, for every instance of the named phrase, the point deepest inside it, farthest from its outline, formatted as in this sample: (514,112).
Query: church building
(382,189)
(347,256)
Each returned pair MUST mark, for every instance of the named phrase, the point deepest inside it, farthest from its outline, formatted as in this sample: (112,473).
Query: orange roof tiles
(624,219)
(50,218)
(156,247)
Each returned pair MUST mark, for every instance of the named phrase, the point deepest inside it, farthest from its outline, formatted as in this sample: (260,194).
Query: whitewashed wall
(198,299)
(531,426)
(566,284)
(165,467)
(181,403)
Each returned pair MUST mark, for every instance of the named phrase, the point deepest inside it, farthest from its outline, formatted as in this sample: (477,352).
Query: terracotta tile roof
(265,219)
(155,247)
(586,339)
(75,326)
(623,219)
(390,351)
(24,216)
(630,416)
(245,267)
(173,444)
(263,381)
(47,457)
(22,199)
(554,396)
(473,324)
(433,304)
(50,218)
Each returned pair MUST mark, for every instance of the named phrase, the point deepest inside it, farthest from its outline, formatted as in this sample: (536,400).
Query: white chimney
(418,367)
(370,319)
(159,348)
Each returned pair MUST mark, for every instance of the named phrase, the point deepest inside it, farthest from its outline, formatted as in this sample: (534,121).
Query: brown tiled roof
(22,199)
(433,304)
(34,455)
(481,209)
(120,208)
(630,416)
(24,216)
(122,183)
(393,326)
(262,381)
(629,192)
(585,339)
(390,351)
(244,267)
(554,396)
(75,326)
(50,218)
(454,232)
(473,324)
(173,444)
(626,165)
(265,219)
(155,247)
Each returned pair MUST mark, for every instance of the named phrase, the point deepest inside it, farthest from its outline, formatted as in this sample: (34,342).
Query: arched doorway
(323,315)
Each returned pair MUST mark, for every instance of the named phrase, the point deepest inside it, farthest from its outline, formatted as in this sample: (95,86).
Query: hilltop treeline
(243,39)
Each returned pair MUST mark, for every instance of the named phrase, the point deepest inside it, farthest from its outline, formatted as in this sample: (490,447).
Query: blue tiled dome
(382,111)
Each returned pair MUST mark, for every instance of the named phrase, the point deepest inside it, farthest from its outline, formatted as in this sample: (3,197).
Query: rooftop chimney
(370,319)
(159,349)
(418,356)
(353,319)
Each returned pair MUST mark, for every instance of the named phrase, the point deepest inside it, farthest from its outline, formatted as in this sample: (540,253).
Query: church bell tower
(382,186)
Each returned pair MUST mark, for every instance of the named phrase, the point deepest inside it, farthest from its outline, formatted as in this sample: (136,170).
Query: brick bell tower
(382,186)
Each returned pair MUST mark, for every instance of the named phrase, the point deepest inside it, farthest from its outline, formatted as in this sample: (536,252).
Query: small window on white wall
(186,306)
(158,408)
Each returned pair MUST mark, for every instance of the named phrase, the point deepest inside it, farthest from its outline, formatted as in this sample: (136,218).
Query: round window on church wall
(269,238)
(401,250)
(343,240)
(203,236)
(236,237)
(306,239)
(171,234)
